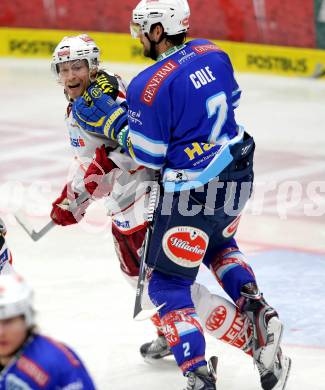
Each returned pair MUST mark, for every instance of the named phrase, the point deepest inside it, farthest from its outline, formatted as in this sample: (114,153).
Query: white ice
(82,298)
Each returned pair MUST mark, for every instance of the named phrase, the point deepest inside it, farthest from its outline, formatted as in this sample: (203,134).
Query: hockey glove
(94,178)
(101,115)
(60,214)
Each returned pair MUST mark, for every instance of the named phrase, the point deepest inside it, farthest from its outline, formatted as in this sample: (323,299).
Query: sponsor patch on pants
(231,229)
(185,245)
(216,318)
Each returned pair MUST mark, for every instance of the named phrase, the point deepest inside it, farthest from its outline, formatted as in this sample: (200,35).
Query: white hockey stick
(33,234)
(139,313)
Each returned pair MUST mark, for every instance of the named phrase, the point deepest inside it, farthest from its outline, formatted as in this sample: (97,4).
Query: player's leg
(229,265)
(236,277)
(176,250)
(219,317)
(226,322)
(128,249)
(182,327)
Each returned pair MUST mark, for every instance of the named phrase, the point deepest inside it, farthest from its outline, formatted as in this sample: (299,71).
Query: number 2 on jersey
(186,347)
(217,105)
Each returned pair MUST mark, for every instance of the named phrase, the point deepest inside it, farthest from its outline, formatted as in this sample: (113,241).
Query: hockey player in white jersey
(5,254)
(75,63)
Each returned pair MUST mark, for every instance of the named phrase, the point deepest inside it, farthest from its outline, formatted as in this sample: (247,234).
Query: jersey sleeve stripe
(148,156)
(147,164)
(236,92)
(236,103)
(148,142)
(148,152)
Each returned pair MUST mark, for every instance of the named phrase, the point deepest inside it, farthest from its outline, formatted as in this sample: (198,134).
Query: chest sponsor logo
(31,369)
(216,319)
(185,245)
(77,142)
(152,87)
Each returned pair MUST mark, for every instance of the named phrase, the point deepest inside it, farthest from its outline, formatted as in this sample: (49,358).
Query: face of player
(74,75)
(146,45)
(13,332)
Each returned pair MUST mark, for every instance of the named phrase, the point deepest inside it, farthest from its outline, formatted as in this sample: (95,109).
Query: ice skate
(156,349)
(203,378)
(276,377)
(267,327)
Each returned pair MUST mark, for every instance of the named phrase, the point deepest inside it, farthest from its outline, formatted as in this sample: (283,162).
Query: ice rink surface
(82,298)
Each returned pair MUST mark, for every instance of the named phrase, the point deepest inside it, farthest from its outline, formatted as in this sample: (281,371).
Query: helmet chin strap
(153,46)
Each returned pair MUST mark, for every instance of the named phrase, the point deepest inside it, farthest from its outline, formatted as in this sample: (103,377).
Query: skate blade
(154,357)
(286,367)
(268,353)
(212,364)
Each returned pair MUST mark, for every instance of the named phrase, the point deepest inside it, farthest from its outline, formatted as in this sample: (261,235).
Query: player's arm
(77,377)
(73,373)
(145,142)
(100,174)
(102,109)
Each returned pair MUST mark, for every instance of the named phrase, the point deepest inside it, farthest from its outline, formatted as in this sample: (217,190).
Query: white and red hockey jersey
(127,200)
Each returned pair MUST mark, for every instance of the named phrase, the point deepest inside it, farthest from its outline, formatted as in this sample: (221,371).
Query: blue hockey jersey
(45,364)
(181,113)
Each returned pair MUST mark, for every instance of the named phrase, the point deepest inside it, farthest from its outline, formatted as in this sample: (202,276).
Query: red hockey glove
(60,214)
(94,178)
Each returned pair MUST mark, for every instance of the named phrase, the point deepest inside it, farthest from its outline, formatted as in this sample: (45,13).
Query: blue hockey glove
(99,113)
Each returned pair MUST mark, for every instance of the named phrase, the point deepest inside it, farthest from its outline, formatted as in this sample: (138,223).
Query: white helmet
(172,14)
(80,47)
(16,298)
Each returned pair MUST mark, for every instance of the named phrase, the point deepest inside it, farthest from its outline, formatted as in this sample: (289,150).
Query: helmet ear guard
(16,298)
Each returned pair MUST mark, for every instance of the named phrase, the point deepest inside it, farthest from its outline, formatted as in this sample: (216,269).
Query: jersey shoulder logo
(202,49)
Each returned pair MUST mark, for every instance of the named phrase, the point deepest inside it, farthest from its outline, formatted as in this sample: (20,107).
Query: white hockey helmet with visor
(81,47)
(172,14)
(16,298)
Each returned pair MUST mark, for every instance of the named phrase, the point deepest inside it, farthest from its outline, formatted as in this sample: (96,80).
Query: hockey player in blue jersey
(181,121)
(28,360)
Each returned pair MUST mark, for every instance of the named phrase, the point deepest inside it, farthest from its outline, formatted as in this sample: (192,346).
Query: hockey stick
(33,234)
(139,313)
